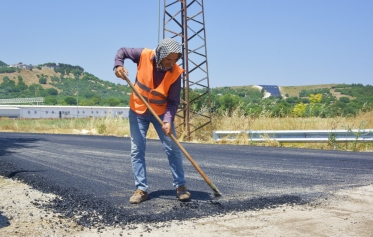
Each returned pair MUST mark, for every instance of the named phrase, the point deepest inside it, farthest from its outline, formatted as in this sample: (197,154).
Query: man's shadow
(3,221)
(6,144)
(171,194)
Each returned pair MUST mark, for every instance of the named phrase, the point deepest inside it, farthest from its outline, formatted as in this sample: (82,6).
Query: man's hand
(167,128)
(121,72)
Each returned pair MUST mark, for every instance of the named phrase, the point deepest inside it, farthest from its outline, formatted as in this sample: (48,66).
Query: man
(158,79)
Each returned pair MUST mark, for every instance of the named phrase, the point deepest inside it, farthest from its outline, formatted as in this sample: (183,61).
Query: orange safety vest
(156,97)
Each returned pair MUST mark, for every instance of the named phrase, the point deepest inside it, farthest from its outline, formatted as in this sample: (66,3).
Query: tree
(315,98)
(228,102)
(21,84)
(344,99)
(7,70)
(96,99)
(113,102)
(50,100)
(35,87)
(8,84)
(280,110)
(70,100)
(300,109)
(290,100)
(43,80)
(52,91)
(89,94)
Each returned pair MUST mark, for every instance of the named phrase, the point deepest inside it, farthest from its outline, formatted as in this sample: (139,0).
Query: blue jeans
(139,125)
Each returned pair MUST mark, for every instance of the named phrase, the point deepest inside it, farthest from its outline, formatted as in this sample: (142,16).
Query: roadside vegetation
(312,107)
(236,120)
(64,84)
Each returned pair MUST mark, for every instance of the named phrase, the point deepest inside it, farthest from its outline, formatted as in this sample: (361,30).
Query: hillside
(295,90)
(59,85)
(31,77)
(291,91)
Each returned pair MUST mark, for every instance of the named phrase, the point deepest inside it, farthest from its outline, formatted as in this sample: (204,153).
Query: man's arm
(124,53)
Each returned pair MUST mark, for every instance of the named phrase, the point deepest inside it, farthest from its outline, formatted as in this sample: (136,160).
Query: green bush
(70,100)
(43,80)
(52,91)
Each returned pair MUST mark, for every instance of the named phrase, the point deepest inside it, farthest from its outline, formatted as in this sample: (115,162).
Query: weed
(101,128)
(332,141)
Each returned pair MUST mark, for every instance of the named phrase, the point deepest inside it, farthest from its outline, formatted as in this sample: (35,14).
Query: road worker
(158,80)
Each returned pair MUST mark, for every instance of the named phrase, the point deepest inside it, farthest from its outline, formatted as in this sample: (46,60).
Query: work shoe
(138,196)
(182,194)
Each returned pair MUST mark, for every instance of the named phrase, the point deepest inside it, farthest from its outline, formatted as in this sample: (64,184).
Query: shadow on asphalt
(3,221)
(11,143)
(7,147)
(165,194)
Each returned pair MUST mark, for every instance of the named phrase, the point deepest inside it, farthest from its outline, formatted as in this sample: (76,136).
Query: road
(93,176)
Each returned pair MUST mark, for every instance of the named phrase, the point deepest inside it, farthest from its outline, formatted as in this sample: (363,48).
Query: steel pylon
(183,20)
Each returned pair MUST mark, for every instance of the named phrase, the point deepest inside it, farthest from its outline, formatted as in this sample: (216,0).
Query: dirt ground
(345,213)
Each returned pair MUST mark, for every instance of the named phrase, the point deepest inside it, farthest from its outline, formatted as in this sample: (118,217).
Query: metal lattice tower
(184,21)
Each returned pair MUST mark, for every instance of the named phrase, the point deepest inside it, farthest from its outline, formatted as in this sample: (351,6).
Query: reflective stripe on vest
(145,88)
(157,102)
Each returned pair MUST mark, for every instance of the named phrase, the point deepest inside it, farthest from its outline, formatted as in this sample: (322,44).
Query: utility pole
(77,95)
(184,21)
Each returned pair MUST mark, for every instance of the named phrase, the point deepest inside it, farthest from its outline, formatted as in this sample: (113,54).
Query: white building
(47,111)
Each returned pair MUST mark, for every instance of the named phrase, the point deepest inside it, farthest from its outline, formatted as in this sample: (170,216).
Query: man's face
(170,60)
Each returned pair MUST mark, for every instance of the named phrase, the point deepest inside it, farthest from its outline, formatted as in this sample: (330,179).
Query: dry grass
(31,77)
(294,90)
(95,126)
(120,127)
(240,122)
(338,95)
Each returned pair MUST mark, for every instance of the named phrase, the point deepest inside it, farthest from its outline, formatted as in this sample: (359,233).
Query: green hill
(61,85)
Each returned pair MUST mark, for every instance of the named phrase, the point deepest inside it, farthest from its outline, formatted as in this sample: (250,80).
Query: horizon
(254,85)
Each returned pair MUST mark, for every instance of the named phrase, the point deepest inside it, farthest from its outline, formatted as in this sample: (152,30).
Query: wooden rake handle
(204,176)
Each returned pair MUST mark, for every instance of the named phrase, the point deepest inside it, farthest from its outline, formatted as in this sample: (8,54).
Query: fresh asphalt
(93,176)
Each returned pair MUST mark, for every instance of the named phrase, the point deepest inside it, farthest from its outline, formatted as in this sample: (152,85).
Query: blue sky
(266,42)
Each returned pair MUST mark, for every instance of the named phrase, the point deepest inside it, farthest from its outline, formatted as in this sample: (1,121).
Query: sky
(261,42)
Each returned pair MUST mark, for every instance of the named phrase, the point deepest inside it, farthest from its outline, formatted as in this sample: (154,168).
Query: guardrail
(351,135)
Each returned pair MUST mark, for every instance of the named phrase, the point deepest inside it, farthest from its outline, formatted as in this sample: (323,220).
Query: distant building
(22,66)
(272,90)
(56,112)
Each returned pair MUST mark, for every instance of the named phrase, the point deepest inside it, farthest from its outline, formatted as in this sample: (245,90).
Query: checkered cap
(164,48)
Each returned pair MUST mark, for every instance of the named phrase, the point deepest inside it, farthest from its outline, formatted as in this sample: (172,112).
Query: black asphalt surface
(93,176)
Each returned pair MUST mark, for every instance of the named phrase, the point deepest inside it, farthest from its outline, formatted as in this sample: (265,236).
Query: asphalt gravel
(93,177)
